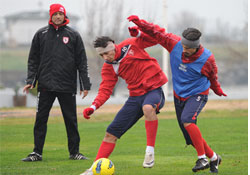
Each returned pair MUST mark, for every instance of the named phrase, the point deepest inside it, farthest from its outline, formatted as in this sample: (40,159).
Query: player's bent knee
(186,124)
(109,138)
(149,112)
(148,109)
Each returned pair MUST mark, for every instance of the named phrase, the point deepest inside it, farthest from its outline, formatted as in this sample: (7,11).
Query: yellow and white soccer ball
(103,166)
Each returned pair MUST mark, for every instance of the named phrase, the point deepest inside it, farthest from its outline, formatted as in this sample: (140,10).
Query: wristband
(93,107)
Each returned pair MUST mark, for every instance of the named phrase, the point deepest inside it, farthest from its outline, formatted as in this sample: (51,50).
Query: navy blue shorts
(132,111)
(188,111)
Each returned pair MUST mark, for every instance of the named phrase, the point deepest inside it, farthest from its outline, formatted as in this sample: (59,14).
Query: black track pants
(67,103)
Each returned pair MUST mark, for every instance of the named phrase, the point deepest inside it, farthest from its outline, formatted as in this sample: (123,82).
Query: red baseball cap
(56,8)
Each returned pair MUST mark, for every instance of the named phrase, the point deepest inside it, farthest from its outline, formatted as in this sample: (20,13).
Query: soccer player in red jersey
(144,78)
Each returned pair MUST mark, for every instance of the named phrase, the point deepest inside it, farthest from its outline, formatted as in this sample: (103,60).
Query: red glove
(218,91)
(87,112)
(135,19)
(133,31)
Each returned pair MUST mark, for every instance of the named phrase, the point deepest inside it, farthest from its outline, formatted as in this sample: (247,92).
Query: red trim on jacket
(206,92)
(169,40)
(209,69)
(65,22)
(141,72)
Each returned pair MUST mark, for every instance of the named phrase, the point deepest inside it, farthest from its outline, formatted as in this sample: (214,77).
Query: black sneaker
(32,157)
(215,164)
(78,156)
(201,164)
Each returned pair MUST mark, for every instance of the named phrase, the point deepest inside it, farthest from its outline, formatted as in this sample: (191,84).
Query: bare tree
(104,18)
(184,20)
(245,27)
(101,18)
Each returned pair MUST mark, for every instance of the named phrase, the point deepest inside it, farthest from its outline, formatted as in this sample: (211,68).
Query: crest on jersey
(65,39)
(131,52)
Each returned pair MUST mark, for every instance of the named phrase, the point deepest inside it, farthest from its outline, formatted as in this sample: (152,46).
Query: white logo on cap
(61,9)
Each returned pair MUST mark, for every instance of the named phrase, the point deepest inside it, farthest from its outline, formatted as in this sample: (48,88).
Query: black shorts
(132,111)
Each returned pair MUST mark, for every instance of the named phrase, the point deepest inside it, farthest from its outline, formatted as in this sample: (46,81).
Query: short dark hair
(191,34)
(102,41)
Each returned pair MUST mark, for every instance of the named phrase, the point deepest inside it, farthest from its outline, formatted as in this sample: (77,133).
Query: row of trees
(108,17)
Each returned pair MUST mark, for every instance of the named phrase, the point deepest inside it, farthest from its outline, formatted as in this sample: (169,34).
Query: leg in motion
(151,125)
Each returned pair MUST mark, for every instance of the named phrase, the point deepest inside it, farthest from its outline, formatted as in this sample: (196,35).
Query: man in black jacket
(57,53)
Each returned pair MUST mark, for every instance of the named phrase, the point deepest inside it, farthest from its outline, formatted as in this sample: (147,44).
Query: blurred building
(21,26)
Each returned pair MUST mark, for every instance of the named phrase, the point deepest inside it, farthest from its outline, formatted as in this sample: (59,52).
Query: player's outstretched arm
(167,40)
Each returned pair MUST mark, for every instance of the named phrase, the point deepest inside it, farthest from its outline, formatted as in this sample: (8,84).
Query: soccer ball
(103,166)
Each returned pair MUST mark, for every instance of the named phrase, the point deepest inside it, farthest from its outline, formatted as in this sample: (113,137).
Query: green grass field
(226,132)
(14,59)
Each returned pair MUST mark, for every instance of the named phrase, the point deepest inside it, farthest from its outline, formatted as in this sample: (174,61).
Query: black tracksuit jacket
(55,56)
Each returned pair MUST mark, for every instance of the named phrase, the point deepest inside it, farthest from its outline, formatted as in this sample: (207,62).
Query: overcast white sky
(233,12)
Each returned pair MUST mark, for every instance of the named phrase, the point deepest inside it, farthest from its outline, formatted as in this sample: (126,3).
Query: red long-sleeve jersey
(169,40)
(141,72)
